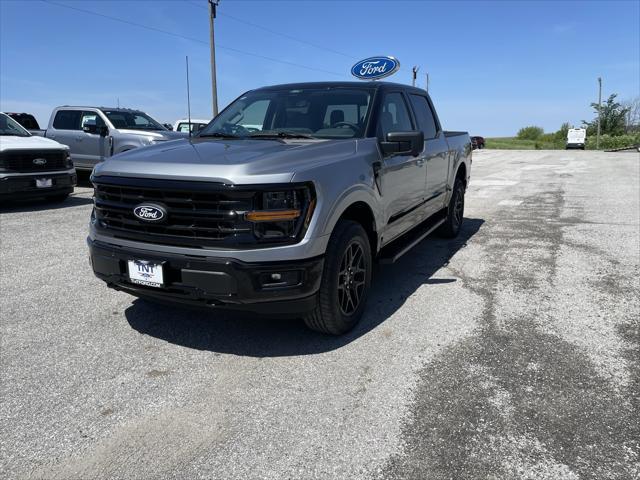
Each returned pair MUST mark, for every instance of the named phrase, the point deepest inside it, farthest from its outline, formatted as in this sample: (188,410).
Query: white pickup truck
(32,166)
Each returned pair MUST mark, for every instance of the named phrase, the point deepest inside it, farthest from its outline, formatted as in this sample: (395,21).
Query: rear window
(26,120)
(67,120)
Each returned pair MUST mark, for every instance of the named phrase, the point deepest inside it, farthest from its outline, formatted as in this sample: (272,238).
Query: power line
(274,32)
(285,35)
(192,39)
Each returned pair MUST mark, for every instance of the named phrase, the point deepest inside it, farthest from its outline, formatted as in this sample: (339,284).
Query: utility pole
(599,111)
(427,82)
(213,4)
(414,73)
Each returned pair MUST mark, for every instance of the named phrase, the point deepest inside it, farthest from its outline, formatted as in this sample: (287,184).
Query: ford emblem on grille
(39,161)
(374,68)
(150,213)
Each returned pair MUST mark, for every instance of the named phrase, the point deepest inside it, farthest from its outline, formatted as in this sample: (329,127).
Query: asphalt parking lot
(511,352)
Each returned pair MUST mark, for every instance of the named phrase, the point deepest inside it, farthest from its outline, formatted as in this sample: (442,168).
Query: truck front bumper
(277,288)
(23,185)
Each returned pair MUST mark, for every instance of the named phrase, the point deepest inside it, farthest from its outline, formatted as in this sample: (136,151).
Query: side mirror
(403,143)
(90,126)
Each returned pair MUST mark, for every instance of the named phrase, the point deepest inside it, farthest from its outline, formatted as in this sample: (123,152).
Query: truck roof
(111,109)
(373,85)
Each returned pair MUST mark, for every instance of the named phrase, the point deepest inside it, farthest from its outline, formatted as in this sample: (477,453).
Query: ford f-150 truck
(95,133)
(32,166)
(283,202)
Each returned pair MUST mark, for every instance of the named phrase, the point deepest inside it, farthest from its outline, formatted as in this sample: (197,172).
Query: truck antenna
(188,97)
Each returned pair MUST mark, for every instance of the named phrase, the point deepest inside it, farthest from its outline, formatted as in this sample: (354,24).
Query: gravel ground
(512,352)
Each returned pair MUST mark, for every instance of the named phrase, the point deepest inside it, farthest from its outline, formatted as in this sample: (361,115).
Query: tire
(348,259)
(455,212)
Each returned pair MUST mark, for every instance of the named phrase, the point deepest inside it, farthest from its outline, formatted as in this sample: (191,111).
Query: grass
(510,143)
(548,142)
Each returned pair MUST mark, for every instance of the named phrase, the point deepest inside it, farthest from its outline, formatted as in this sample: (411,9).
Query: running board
(397,248)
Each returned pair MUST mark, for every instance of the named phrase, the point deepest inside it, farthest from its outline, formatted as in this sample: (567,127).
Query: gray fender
(355,194)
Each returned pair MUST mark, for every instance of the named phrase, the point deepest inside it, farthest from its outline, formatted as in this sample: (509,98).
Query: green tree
(561,135)
(530,133)
(613,118)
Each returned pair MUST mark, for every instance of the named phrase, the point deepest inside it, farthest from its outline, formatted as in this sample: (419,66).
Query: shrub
(530,133)
(608,142)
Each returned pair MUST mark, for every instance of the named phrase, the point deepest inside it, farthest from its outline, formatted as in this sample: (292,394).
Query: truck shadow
(251,335)
(40,204)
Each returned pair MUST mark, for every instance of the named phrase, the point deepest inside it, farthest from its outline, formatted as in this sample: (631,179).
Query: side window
(86,116)
(394,116)
(67,120)
(424,116)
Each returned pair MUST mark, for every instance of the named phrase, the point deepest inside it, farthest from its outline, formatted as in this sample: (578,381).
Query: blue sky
(494,66)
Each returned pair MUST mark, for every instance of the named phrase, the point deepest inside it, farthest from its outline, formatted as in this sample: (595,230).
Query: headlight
(68,163)
(284,214)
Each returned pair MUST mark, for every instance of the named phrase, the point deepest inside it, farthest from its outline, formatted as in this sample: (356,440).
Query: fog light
(280,279)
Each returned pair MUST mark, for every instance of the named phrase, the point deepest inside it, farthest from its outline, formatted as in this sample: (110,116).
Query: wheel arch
(362,213)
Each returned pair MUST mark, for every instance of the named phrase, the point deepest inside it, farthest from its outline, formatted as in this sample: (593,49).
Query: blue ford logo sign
(150,213)
(374,68)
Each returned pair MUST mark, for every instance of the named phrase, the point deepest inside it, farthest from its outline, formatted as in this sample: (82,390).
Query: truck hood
(14,142)
(230,162)
(158,135)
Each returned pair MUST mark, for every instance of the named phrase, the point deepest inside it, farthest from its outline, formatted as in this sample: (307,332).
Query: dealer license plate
(44,182)
(145,273)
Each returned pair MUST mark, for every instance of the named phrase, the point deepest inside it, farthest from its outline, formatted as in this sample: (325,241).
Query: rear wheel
(455,212)
(345,281)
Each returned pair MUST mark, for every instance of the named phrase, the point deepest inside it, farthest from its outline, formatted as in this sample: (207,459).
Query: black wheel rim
(458,208)
(351,278)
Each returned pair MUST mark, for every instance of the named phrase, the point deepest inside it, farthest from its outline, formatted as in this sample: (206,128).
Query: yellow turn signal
(272,215)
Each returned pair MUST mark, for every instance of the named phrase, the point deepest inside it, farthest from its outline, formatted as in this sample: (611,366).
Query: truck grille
(199,214)
(23,160)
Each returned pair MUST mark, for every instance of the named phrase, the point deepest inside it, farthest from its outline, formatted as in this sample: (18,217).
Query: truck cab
(283,202)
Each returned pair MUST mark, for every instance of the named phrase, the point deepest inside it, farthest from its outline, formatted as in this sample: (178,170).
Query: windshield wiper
(280,135)
(219,135)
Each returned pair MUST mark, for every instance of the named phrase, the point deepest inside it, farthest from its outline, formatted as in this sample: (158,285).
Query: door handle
(420,162)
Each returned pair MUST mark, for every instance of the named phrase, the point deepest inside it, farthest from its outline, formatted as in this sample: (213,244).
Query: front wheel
(345,281)
(455,212)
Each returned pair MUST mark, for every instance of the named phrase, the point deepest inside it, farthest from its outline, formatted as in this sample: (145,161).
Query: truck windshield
(304,113)
(132,120)
(8,126)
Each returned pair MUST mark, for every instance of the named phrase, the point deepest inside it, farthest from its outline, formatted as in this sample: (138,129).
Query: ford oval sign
(150,213)
(374,68)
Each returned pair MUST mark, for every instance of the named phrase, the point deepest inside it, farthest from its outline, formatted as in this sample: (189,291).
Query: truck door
(403,176)
(65,129)
(92,146)
(436,153)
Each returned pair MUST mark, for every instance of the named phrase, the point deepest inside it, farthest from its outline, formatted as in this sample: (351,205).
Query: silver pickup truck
(282,204)
(95,133)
